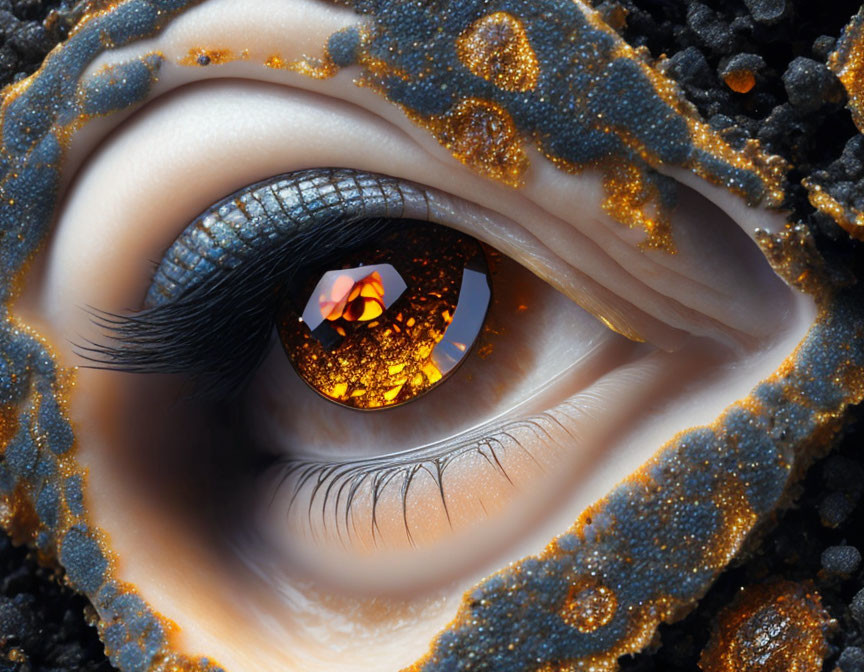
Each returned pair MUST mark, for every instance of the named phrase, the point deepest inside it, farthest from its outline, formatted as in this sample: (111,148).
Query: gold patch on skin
(773,627)
(483,136)
(589,605)
(848,64)
(316,68)
(204,57)
(635,201)
(496,48)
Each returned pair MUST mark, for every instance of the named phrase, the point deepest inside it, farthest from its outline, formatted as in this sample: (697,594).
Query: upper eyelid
(302,200)
(664,328)
(510,235)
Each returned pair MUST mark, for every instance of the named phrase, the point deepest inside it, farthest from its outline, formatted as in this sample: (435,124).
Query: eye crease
(559,492)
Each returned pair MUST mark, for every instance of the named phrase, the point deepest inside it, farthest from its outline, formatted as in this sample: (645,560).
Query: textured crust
(639,557)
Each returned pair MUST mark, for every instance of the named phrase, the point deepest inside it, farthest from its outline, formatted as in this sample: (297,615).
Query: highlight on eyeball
(444,336)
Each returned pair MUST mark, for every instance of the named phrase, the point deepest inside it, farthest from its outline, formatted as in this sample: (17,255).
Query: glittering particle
(497,49)
(776,627)
(589,605)
(376,335)
(847,62)
(633,197)
(483,135)
(203,57)
(848,218)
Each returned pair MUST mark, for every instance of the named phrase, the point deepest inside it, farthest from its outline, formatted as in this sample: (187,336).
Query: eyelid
(589,257)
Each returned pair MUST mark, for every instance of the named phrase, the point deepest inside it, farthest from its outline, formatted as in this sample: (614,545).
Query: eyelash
(216,332)
(214,325)
(346,478)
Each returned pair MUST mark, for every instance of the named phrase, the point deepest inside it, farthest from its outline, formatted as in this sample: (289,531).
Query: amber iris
(384,324)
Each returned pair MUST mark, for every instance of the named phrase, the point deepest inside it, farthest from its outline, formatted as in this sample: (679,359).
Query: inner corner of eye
(381,324)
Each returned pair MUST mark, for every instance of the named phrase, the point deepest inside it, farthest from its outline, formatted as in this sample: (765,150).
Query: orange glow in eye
(390,322)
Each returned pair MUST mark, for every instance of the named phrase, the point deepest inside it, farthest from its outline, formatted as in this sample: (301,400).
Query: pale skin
(315,604)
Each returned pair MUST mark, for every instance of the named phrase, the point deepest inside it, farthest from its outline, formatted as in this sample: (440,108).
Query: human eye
(346,350)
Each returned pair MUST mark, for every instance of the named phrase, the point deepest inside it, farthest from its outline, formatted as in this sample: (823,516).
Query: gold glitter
(366,362)
(314,67)
(774,627)
(847,62)
(497,49)
(589,605)
(483,136)
(849,219)
(633,200)
(203,57)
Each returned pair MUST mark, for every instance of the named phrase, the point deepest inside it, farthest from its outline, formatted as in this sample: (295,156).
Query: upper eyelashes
(209,310)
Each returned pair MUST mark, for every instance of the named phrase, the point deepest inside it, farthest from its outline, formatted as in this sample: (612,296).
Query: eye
(245,292)
(248,497)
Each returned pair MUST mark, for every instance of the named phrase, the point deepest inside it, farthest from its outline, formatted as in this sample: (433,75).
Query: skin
(291,605)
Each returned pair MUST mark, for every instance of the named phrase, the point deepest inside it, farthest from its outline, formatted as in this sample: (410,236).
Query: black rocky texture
(42,623)
(795,110)
(29,29)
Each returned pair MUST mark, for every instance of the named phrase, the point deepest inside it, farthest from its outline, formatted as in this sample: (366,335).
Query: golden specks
(848,64)
(204,57)
(497,49)
(316,68)
(483,136)
(635,201)
(589,605)
(774,627)
(850,220)
(740,81)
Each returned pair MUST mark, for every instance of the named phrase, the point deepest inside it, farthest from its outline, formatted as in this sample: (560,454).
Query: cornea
(639,557)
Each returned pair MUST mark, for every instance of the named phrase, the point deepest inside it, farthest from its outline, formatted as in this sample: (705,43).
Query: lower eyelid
(367,515)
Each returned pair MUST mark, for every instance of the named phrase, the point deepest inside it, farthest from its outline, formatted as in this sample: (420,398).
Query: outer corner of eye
(419,338)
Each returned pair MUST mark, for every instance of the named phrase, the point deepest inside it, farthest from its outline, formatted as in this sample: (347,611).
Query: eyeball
(376,335)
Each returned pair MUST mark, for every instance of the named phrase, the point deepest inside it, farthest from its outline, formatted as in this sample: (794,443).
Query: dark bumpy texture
(42,625)
(29,29)
(795,109)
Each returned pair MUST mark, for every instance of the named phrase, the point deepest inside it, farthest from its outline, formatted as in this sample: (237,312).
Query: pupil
(386,323)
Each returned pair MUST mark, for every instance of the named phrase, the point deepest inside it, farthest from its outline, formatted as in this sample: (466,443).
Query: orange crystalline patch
(776,627)
(740,81)
(483,135)
(497,49)
(848,64)
(589,606)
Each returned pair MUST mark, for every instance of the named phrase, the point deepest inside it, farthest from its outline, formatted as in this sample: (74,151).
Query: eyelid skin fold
(521,617)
